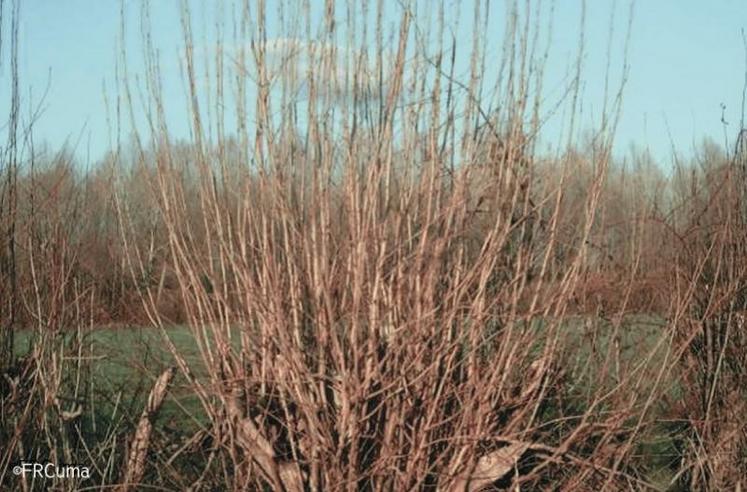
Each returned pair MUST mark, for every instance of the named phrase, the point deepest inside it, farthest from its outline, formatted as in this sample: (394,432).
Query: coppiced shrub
(386,285)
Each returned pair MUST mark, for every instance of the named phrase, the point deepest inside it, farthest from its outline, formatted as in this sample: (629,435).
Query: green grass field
(127,360)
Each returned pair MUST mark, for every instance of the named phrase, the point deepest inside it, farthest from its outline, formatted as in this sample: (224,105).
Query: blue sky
(686,59)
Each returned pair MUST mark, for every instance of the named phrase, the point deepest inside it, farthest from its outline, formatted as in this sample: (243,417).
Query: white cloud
(336,71)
